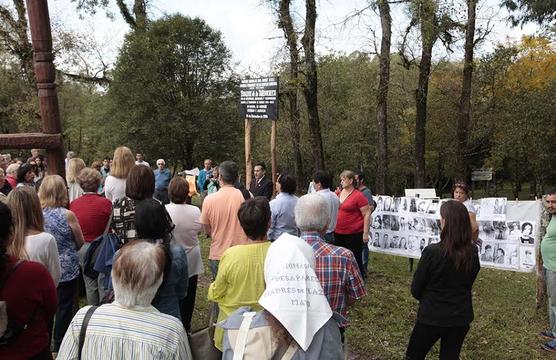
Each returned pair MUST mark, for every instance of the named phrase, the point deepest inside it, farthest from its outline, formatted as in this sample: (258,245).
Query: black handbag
(92,252)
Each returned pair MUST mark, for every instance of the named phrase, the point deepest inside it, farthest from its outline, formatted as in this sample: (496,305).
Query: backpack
(9,330)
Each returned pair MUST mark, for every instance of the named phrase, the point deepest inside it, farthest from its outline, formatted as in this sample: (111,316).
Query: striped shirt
(338,273)
(115,332)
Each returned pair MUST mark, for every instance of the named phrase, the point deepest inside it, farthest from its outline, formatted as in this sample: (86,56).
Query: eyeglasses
(160,164)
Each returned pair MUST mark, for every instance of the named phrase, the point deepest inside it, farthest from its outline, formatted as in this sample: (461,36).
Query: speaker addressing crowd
(272,261)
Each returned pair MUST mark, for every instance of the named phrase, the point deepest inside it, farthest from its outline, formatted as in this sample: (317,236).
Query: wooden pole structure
(45,73)
(273,155)
(248,159)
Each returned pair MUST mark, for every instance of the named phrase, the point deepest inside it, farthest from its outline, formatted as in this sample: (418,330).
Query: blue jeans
(550,278)
(365,255)
(213,264)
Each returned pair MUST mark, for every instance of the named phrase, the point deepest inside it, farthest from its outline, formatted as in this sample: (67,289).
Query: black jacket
(444,293)
(262,188)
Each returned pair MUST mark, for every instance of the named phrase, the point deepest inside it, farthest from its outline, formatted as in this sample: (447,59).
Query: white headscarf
(293,292)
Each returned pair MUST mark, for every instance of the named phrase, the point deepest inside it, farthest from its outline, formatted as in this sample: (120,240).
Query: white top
(333,205)
(470,207)
(74,191)
(186,218)
(115,332)
(42,248)
(144,163)
(114,188)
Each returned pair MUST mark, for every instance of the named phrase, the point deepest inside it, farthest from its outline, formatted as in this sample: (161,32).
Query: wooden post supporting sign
(259,100)
(248,159)
(273,155)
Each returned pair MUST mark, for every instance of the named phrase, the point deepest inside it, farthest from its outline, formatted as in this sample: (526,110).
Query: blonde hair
(12,169)
(27,215)
(53,192)
(75,165)
(122,162)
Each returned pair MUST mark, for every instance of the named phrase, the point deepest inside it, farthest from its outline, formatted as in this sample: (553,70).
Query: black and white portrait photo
(486,230)
(514,230)
(433,206)
(526,257)
(527,233)
(488,253)
(379,203)
(413,205)
(385,242)
(394,223)
(499,230)
(377,222)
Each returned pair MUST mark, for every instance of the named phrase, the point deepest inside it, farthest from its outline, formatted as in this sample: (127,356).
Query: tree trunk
(429,34)
(382,97)
(310,88)
(286,23)
(464,118)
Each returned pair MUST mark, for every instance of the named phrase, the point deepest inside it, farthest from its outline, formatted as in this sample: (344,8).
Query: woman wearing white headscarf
(297,321)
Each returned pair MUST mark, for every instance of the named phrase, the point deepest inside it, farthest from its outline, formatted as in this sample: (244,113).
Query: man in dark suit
(261,185)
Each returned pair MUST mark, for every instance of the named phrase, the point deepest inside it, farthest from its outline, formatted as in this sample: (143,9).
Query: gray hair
(137,273)
(312,212)
(228,171)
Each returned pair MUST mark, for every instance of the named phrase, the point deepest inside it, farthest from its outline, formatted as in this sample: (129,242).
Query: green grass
(505,326)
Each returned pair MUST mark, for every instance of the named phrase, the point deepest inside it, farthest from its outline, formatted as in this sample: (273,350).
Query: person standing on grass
(360,181)
(322,182)
(548,261)
(162,178)
(240,279)
(442,283)
(219,215)
(335,266)
(261,185)
(460,191)
(354,218)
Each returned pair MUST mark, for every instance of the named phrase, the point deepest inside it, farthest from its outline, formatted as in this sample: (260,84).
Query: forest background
(403,113)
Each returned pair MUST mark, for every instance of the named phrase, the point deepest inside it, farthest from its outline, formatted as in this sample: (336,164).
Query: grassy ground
(505,326)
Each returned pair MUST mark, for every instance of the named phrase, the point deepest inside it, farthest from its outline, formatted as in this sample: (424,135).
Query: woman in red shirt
(92,212)
(30,297)
(352,227)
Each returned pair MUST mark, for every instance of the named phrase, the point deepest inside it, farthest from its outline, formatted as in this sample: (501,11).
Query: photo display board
(508,230)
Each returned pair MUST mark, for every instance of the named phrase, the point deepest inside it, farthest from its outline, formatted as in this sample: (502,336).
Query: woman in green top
(240,279)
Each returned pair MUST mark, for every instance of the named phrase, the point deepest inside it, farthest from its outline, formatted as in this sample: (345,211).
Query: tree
(540,11)
(434,23)
(14,38)
(310,89)
(382,96)
(285,22)
(136,17)
(174,92)
(465,99)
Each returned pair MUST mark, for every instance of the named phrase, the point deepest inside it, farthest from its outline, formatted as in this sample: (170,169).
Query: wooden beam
(41,36)
(31,141)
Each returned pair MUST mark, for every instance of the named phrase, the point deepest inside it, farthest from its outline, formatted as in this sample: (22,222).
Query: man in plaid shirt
(335,267)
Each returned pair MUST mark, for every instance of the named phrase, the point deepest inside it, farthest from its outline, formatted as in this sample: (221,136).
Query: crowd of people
(274,258)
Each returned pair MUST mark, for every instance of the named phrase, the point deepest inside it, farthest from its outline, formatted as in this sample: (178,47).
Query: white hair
(137,273)
(161,160)
(12,169)
(312,212)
